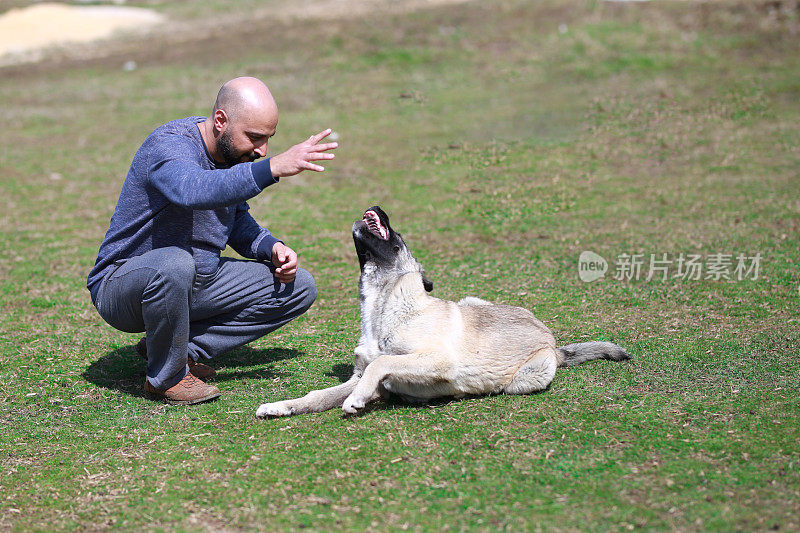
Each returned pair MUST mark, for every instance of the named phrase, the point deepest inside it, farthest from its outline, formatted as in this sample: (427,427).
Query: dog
(419,347)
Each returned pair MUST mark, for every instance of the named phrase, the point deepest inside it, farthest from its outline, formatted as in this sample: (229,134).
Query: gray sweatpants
(184,313)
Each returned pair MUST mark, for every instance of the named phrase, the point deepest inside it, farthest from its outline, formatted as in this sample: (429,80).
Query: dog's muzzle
(374,225)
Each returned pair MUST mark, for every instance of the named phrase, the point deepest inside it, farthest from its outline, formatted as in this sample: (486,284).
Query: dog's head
(379,246)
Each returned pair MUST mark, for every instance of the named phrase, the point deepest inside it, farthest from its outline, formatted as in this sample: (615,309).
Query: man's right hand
(298,158)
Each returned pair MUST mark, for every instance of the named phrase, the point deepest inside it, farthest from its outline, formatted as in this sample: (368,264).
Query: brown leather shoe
(187,391)
(198,370)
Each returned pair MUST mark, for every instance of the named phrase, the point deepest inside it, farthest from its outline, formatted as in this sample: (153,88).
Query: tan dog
(420,347)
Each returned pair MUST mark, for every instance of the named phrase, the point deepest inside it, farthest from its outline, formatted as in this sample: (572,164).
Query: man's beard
(229,154)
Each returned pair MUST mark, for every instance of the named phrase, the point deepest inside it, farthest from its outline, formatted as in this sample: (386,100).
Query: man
(183,201)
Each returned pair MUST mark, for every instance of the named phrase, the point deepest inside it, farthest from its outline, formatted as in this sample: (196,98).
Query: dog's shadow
(392,402)
(123,370)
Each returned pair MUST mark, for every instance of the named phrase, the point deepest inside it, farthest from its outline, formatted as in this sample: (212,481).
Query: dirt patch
(31,34)
(26,33)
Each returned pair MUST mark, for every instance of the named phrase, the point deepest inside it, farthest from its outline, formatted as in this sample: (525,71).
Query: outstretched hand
(300,156)
(285,261)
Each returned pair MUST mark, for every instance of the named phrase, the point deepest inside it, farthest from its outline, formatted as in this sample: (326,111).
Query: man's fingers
(315,156)
(326,146)
(311,166)
(300,154)
(287,268)
(319,136)
(279,252)
(285,276)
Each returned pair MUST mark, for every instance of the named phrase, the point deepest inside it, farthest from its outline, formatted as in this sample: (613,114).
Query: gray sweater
(175,194)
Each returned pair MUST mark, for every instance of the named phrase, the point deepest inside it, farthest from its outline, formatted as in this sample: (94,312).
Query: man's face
(245,140)
(230,154)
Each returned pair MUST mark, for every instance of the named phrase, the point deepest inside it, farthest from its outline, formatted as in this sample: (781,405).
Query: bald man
(159,269)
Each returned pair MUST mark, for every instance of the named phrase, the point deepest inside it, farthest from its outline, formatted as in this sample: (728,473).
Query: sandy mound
(25,30)
(26,34)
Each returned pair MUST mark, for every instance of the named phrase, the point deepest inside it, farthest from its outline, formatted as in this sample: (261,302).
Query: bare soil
(26,33)
(54,32)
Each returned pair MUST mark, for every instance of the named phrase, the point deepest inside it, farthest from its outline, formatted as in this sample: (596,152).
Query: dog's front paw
(352,405)
(272,410)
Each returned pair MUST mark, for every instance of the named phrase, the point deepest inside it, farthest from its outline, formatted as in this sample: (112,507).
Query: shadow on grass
(341,371)
(122,369)
(392,402)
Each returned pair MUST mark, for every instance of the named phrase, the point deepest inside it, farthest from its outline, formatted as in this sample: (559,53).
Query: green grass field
(504,138)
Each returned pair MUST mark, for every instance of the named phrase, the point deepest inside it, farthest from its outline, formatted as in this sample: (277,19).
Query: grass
(502,147)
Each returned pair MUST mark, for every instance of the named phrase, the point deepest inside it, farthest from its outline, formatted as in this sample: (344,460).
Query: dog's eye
(396,248)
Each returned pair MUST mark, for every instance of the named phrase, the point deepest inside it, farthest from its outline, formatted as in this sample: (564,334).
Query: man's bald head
(245,117)
(246,97)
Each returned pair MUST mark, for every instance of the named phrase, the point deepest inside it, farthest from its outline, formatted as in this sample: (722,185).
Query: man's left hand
(285,261)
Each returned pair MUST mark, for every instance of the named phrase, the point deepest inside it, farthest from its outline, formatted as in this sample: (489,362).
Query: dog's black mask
(378,243)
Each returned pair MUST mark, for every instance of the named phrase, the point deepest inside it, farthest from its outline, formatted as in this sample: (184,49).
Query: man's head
(245,116)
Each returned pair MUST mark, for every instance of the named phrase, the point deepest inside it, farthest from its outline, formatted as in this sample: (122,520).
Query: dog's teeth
(374,225)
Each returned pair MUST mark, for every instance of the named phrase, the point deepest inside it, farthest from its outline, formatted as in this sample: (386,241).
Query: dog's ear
(428,284)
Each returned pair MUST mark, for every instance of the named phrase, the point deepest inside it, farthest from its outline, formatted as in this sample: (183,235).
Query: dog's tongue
(374,225)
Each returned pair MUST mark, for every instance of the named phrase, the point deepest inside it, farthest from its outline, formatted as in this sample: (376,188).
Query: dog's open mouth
(374,225)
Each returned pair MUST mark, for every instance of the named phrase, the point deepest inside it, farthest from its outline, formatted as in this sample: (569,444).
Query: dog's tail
(575,354)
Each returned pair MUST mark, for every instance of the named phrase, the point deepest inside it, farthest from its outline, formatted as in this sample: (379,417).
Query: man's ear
(220,120)
(428,284)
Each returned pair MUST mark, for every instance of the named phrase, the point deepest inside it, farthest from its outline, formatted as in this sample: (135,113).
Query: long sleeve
(248,238)
(175,174)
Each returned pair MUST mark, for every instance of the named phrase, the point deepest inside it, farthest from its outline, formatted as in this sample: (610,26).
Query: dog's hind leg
(313,402)
(535,374)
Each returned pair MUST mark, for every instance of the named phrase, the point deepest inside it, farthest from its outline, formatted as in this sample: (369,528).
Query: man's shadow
(122,369)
